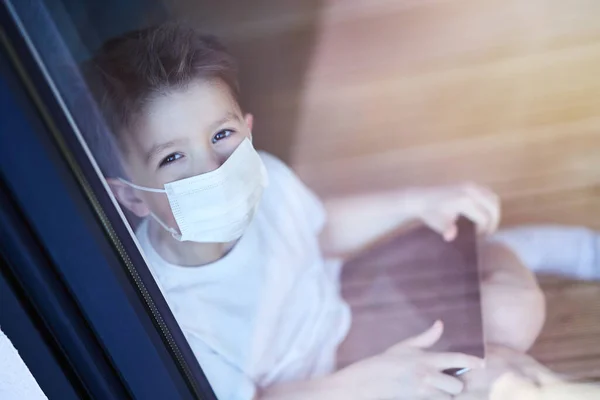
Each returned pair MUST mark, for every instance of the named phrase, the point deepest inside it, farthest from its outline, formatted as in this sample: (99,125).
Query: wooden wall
(361,95)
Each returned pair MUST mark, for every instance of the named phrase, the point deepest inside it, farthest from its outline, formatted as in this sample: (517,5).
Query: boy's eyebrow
(228,117)
(157,148)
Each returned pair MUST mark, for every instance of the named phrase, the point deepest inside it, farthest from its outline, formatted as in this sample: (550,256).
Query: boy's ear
(127,197)
(249,118)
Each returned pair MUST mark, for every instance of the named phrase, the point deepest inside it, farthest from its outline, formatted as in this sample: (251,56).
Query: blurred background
(365,95)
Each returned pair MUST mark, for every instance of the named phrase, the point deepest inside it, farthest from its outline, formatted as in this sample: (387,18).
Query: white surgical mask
(217,206)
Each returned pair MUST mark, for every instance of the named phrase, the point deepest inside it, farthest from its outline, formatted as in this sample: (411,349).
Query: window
(281,214)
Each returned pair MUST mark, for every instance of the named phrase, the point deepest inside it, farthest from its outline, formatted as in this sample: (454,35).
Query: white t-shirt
(269,311)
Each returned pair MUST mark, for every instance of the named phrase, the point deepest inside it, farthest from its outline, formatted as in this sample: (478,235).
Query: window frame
(109,319)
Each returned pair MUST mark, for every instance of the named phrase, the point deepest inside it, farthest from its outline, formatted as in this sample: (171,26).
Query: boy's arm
(356,222)
(404,371)
(510,293)
(316,389)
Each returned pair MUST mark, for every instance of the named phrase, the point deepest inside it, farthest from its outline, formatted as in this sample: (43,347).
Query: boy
(238,243)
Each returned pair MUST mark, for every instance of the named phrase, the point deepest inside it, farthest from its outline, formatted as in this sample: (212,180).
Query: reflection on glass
(283,295)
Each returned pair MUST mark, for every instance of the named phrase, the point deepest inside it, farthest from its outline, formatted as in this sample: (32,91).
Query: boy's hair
(130,70)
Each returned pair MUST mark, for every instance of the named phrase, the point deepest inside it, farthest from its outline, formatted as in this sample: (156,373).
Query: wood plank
(505,157)
(372,95)
(578,207)
(573,347)
(403,111)
(440,35)
(570,341)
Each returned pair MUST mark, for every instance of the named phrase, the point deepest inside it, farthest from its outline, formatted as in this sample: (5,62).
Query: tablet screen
(463,316)
(454,272)
(399,288)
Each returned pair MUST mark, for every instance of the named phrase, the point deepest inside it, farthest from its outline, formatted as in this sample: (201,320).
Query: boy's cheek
(159,205)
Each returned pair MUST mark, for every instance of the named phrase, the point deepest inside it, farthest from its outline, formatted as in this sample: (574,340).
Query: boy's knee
(513,304)
(500,265)
(512,317)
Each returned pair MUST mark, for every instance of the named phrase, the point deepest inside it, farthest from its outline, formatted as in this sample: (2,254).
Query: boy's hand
(514,387)
(501,362)
(439,208)
(405,371)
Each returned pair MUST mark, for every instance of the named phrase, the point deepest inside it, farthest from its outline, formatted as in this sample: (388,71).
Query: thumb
(443,224)
(426,339)
(451,232)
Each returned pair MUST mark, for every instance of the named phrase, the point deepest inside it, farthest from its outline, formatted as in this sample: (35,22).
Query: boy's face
(184,133)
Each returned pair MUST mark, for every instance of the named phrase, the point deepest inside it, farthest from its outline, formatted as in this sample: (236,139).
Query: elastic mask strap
(147,189)
(166,227)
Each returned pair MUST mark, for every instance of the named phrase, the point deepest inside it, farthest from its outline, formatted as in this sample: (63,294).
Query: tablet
(463,318)
(400,287)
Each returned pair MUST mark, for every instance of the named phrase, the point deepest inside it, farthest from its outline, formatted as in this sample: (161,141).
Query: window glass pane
(319,182)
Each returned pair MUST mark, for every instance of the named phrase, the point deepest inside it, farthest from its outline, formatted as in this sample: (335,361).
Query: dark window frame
(111,311)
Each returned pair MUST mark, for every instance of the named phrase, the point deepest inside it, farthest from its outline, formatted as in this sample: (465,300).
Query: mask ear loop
(176,235)
(147,189)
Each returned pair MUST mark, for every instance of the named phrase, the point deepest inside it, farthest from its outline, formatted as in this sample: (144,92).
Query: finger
(451,232)
(495,209)
(545,378)
(540,374)
(426,339)
(490,201)
(442,361)
(440,222)
(488,193)
(527,365)
(476,212)
(445,383)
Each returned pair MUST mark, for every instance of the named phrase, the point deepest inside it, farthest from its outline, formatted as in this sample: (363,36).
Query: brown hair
(130,70)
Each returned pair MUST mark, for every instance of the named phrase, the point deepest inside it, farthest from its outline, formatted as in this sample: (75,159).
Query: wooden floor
(570,341)
(399,288)
(364,95)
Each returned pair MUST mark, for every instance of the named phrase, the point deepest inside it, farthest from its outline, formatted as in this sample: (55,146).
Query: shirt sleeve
(564,250)
(227,381)
(301,199)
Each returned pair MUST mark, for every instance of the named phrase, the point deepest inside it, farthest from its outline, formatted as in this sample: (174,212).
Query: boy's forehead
(179,117)
(202,102)
(185,114)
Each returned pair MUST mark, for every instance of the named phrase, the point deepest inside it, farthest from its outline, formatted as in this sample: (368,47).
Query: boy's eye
(170,158)
(222,135)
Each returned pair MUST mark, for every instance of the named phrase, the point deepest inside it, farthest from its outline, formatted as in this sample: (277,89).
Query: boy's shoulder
(288,197)
(279,173)
(272,163)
